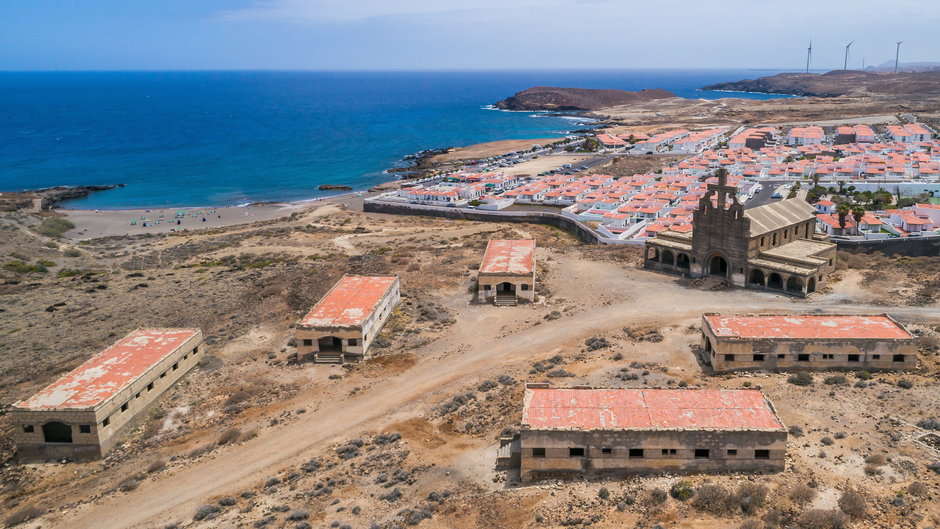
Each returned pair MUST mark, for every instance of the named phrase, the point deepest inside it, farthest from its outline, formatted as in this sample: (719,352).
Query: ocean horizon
(223,138)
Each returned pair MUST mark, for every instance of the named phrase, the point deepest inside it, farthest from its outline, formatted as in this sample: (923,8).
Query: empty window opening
(853,358)
(761,454)
(124,407)
(106,421)
(636,453)
(828,356)
(163,375)
(898,358)
(781,356)
(802,358)
(195,350)
(176,366)
(525,286)
(150,386)
(28,428)
(732,451)
(308,342)
(353,342)
(607,451)
(137,396)
(669,451)
(701,453)
(185,356)
(575,452)
(729,358)
(538,452)
(57,432)
(758,358)
(84,428)
(876,357)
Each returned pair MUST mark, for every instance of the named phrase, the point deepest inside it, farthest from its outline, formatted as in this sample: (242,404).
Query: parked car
(776,195)
(451,205)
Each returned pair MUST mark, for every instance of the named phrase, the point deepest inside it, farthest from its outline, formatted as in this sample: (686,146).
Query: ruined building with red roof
(344,323)
(507,273)
(806,341)
(586,432)
(769,247)
(82,415)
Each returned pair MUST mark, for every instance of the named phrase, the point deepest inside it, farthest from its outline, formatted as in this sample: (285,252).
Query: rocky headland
(547,98)
(839,83)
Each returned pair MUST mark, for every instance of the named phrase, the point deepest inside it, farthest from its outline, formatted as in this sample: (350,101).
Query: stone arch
(652,253)
(57,432)
(794,284)
(775,281)
(756,277)
(668,257)
(682,261)
(718,266)
(811,285)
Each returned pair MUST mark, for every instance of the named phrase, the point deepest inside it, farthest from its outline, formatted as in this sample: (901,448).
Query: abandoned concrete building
(585,432)
(342,326)
(81,415)
(507,273)
(770,247)
(806,341)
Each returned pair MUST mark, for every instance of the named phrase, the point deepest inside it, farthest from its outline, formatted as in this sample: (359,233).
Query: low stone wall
(908,246)
(574,227)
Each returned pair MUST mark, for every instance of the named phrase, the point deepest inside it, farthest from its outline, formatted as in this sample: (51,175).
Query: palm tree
(857,213)
(843,211)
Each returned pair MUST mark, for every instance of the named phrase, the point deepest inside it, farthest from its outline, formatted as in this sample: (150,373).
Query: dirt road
(634,296)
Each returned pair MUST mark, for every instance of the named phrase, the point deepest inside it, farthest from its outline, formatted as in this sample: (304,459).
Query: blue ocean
(228,138)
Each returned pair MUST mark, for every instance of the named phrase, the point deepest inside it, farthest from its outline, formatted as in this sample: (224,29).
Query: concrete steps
(328,358)
(505,301)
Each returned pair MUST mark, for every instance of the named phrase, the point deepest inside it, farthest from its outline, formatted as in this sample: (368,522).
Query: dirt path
(642,298)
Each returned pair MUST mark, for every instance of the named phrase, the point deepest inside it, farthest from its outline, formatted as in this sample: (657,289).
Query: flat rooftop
(504,256)
(350,302)
(110,371)
(806,326)
(648,409)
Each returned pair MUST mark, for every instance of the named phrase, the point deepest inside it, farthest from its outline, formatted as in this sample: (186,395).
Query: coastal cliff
(838,83)
(554,98)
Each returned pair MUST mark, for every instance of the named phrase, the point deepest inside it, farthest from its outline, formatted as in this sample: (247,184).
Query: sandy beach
(92,224)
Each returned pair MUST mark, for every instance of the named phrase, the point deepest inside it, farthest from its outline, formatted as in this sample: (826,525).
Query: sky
(459,34)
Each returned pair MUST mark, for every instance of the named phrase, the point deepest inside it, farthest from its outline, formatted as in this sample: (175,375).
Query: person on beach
(177,222)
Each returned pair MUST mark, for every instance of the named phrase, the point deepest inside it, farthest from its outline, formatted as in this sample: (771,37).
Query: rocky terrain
(408,438)
(561,99)
(839,83)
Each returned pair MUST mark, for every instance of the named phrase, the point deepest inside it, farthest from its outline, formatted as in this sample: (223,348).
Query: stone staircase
(505,301)
(328,358)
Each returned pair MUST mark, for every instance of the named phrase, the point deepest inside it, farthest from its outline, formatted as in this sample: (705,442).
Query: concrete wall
(909,246)
(822,354)
(306,337)
(491,280)
(585,234)
(558,463)
(138,397)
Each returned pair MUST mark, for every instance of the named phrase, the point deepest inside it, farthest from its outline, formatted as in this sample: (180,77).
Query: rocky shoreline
(48,197)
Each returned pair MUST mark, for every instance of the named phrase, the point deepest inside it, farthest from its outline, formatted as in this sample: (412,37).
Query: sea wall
(585,234)
(908,246)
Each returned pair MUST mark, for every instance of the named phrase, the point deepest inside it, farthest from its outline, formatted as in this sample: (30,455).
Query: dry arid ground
(408,438)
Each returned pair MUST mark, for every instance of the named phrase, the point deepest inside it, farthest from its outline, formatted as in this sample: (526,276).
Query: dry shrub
(713,499)
(751,524)
(801,494)
(25,514)
(822,519)
(750,497)
(918,489)
(156,466)
(853,504)
(876,459)
(229,436)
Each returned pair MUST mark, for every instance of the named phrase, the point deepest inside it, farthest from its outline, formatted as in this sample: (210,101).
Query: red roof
(349,302)
(110,371)
(805,326)
(648,409)
(509,257)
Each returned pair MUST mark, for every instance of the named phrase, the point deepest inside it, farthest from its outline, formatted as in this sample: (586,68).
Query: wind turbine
(897,54)
(845,65)
(809,54)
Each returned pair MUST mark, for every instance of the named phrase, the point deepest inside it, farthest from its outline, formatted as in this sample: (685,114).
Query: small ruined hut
(84,413)
(806,341)
(585,432)
(769,247)
(341,326)
(507,273)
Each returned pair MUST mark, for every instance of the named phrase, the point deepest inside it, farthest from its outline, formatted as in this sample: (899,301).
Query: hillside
(554,98)
(837,83)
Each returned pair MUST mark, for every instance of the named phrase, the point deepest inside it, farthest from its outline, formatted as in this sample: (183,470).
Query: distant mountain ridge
(837,83)
(557,98)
